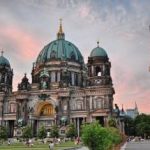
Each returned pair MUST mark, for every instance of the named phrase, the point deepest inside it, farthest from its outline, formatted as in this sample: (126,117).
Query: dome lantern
(60,34)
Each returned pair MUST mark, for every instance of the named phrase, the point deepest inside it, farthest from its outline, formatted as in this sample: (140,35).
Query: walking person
(51,145)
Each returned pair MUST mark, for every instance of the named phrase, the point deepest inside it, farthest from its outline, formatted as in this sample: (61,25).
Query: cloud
(25,44)
(120,26)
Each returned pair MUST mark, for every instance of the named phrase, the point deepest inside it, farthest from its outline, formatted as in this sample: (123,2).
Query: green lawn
(37,146)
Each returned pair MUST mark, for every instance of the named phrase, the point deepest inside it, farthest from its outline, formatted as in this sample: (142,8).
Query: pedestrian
(51,145)
(8,142)
(78,140)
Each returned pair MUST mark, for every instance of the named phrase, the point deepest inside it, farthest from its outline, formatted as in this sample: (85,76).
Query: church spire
(60,34)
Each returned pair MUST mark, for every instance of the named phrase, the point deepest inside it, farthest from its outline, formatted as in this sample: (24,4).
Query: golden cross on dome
(60,27)
(60,20)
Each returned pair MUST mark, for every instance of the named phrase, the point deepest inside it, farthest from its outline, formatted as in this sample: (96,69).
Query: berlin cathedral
(64,89)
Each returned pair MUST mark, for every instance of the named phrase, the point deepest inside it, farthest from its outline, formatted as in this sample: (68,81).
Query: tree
(114,135)
(129,126)
(71,131)
(3,133)
(27,132)
(112,122)
(54,131)
(97,137)
(42,132)
(142,127)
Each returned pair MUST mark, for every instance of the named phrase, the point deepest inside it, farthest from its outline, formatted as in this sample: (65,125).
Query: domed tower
(6,75)
(99,67)
(59,64)
(99,79)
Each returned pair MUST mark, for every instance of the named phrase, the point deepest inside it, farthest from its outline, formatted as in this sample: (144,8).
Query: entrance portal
(100,119)
(11,128)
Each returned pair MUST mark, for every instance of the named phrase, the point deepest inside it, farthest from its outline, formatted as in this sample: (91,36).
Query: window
(72,57)
(65,107)
(98,71)
(62,131)
(58,76)
(12,108)
(53,54)
(72,78)
(53,77)
(79,105)
(98,103)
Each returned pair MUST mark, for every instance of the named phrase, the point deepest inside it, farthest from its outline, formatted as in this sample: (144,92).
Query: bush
(27,132)
(97,137)
(71,131)
(3,133)
(54,132)
(112,122)
(42,132)
(114,135)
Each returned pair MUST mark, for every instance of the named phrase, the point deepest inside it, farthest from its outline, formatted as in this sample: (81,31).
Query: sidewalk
(83,148)
(124,146)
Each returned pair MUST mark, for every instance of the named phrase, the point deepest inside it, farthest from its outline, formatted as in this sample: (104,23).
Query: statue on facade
(117,110)
(44,79)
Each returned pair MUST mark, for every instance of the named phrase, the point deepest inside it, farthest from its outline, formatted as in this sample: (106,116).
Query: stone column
(92,71)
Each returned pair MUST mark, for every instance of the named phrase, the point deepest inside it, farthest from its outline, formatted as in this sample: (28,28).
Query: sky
(121,27)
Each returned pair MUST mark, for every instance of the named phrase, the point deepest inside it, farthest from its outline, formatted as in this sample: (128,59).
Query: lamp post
(78,127)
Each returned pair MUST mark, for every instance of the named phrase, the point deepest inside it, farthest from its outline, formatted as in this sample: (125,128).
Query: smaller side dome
(98,51)
(4,61)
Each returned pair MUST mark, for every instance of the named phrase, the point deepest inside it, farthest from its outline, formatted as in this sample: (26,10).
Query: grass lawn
(37,146)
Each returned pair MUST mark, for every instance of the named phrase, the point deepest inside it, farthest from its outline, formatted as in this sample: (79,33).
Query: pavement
(142,145)
(83,148)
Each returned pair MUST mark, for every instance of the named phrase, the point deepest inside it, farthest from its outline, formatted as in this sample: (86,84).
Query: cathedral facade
(64,89)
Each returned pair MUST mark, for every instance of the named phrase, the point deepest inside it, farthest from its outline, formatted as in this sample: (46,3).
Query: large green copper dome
(4,61)
(60,49)
(98,51)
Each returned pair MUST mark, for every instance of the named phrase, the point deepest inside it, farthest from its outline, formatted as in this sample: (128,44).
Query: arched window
(12,107)
(98,71)
(53,54)
(72,56)
(53,76)
(79,105)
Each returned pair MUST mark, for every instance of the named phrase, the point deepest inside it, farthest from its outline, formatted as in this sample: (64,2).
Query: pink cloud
(128,90)
(26,44)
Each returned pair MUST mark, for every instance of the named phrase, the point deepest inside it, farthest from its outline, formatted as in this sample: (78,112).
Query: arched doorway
(45,109)
(45,116)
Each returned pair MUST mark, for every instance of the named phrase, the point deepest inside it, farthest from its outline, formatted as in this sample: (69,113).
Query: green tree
(42,132)
(114,135)
(27,132)
(142,125)
(112,122)
(54,131)
(97,137)
(71,131)
(3,133)
(129,126)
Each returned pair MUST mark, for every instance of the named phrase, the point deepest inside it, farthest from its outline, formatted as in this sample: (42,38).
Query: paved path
(144,145)
(83,148)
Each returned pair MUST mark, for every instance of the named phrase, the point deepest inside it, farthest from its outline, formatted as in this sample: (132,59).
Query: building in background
(133,113)
(63,90)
